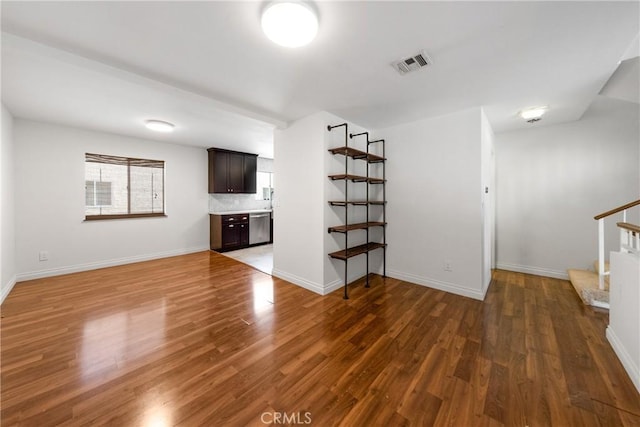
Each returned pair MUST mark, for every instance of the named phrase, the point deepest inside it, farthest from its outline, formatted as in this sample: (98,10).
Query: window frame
(128,162)
(259,196)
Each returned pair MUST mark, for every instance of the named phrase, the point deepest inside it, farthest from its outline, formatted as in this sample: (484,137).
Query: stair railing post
(623,234)
(601,253)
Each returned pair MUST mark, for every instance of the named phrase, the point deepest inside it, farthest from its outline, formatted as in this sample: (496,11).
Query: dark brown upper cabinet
(232,171)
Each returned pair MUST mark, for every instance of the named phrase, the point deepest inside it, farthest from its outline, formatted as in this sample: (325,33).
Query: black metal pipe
(384,208)
(367,160)
(330,128)
(346,212)
(346,205)
(367,199)
(384,212)
(351,135)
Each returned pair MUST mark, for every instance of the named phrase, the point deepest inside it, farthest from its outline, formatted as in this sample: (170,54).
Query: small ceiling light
(533,114)
(159,126)
(290,23)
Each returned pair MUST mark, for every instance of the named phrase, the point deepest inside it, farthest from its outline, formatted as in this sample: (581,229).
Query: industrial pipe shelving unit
(369,158)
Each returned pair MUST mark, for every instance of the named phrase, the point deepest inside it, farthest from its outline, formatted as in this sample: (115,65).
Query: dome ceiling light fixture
(533,114)
(159,126)
(290,23)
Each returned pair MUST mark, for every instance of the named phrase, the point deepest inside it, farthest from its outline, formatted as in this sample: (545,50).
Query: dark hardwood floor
(204,340)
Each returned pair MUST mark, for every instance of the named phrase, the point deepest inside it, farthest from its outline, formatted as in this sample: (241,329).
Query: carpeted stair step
(586,285)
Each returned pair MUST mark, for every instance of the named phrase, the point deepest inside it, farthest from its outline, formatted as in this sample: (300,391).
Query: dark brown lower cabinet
(235,235)
(229,232)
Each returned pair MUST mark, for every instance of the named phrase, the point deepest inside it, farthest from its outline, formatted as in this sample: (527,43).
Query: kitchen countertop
(240,212)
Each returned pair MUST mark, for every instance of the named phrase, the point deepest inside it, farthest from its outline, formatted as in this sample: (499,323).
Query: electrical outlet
(447,265)
(44,256)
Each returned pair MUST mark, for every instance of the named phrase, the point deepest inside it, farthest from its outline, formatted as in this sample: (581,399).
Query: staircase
(593,286)
(586,284)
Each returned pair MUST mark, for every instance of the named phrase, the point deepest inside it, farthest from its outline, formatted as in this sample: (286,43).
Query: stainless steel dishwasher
(259,227)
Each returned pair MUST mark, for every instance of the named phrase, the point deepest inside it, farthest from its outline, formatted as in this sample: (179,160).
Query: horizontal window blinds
(123,161)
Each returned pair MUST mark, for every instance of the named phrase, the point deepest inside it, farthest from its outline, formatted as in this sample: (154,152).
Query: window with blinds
(123,187)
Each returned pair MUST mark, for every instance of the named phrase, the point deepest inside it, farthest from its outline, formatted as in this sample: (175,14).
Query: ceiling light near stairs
(533,114)
(290,23)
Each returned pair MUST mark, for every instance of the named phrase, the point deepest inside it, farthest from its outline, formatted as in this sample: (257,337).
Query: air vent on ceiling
(412,63)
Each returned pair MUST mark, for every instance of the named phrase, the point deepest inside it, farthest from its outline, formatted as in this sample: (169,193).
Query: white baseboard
(333,286)
(102,264)
(303,283)
(537,271)
(437,284)
(625,358)
(6,288)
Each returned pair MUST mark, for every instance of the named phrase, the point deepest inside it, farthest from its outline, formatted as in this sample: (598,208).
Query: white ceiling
(207,67)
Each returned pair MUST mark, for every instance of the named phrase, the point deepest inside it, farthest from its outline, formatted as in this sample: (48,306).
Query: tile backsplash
(236,202)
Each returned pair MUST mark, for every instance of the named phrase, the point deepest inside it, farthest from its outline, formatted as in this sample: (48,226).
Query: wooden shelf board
(356,250)
(356,202)
(380,160)
(357,178)
(357,226)
(354,178)
(357,154)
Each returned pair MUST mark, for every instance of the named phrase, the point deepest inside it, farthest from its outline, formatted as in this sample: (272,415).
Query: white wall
(488,191)
(624,317)
(7,207)
(552,181)
(49,177)
(434,195)
(298,211)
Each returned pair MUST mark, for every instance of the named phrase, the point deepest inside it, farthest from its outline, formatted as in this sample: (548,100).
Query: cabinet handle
(244,217)
(232,219)
(231,226)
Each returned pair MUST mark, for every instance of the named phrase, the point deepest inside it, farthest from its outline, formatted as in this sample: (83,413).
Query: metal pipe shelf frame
(369,158)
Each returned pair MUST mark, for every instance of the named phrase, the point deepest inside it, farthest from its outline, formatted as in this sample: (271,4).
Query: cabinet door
(236,172)
(218,172)
(231,235)
(250,167)
(244,234)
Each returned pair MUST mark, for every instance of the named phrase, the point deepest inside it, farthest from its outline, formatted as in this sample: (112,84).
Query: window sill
(122,216)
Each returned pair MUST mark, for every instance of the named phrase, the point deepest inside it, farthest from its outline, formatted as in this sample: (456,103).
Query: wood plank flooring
(204,340)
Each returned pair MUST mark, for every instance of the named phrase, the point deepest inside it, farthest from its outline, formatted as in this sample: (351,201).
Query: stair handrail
(629,238)
(631,227)
(600,218)
(616,210)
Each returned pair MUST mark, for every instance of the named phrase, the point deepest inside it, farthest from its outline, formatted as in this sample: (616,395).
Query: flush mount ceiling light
(290,23)
(159,126)
(533,114)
